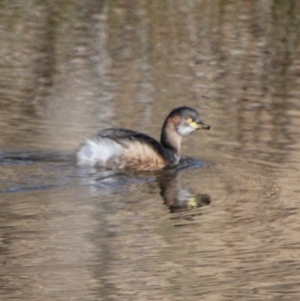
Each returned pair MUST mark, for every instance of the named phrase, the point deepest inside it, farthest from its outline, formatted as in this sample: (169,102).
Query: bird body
(122,148)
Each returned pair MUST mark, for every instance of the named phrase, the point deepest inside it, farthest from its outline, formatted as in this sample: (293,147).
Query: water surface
(226,227)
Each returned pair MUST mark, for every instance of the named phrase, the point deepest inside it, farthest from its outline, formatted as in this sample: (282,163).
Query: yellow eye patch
(193,123)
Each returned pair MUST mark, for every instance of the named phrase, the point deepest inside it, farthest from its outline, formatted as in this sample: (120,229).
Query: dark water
(226,227)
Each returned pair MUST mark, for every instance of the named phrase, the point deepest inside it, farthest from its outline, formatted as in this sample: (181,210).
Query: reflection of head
(178,197)
(195,201)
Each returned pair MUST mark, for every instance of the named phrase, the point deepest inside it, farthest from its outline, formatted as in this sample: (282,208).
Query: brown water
(227,227)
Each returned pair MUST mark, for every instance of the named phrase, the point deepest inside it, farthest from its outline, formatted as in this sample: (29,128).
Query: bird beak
(200,125)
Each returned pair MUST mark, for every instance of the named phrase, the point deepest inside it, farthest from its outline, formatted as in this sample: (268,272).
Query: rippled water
(224,225)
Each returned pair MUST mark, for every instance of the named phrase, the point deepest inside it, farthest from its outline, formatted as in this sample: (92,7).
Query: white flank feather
(97,152)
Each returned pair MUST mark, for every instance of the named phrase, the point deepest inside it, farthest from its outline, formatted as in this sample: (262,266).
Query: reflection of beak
(200,125)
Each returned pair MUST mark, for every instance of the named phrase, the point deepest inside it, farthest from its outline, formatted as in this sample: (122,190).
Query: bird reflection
(177,196)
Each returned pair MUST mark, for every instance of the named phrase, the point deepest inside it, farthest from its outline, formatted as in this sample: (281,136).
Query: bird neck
(170,139)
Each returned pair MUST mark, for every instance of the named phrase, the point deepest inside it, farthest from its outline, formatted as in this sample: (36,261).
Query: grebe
(121,148)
